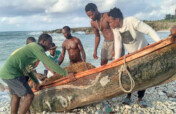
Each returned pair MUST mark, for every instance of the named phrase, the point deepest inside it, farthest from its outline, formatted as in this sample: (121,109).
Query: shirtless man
(100,23)
(73,46)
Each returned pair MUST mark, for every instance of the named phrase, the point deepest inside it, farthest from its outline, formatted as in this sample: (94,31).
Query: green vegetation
(164,24)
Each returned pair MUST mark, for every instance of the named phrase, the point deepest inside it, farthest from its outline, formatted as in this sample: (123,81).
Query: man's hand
(173,31)
(71,76)
(113,55)
(95,55)
(1,88)
(41,77)
(36,86)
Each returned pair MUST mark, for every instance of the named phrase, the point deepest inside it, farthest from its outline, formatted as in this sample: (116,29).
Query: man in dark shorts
(100,23)
(12,72)
(74,47)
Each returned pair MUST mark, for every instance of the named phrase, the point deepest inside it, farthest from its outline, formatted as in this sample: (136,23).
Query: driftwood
(149,67)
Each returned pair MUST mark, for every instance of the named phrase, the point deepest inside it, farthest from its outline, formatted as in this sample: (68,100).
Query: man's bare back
(74,47)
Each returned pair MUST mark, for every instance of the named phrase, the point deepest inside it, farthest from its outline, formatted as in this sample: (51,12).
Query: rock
(127,107)
(114,99)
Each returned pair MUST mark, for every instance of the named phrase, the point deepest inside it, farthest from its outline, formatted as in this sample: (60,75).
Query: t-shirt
(22,57)
(55,58)
(131,35)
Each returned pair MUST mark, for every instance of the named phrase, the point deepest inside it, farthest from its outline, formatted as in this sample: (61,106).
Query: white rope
(122,69)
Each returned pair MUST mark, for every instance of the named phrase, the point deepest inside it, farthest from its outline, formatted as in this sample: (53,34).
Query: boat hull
(147,70)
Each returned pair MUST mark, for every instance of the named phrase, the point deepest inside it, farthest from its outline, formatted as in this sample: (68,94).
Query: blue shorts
(18,86)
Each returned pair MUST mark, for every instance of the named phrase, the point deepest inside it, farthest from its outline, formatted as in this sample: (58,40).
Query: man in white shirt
(130,33)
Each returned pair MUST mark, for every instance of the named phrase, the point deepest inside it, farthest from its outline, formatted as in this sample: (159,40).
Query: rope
(122,69)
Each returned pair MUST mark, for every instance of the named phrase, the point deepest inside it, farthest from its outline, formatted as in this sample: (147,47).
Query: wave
(34,33)
(80,32)
(164,31)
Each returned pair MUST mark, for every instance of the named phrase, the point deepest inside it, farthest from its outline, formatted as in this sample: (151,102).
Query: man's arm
(97,40)
(2,88)
(117,43)
(82,50)
(48,62)
(62,56)
(33,77)
(146,29)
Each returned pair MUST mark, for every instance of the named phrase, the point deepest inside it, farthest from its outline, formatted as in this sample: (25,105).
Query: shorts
(18,86)
(107,50)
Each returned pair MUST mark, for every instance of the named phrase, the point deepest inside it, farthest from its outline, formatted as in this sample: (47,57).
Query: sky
(40,15)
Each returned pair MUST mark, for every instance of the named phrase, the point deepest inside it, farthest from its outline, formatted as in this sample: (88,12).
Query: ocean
(10,41)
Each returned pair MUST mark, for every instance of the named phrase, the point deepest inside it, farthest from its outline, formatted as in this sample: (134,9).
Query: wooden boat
(150,66)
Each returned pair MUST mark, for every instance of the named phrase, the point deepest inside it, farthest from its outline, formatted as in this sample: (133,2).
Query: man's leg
(22,99)
(104,61)
(141,95)
(26,103)
(140,101)
(15,104)
(127,100)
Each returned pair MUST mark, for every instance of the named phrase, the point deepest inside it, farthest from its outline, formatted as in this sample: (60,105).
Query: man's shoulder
(131,18)
(33,44)
(76,38)
(93,23)
(105,14)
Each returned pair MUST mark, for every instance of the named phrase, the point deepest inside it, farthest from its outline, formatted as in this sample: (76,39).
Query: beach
(160,99)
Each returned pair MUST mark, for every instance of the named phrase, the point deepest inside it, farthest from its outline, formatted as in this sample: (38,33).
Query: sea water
(10,41)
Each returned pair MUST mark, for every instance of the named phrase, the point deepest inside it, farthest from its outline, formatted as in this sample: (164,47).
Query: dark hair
(44,37)
(67,28)
(115,13)
(53,45)
(30,39)
(90,7)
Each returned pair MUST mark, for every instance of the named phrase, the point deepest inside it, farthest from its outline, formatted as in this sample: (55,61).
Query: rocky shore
(160,100)
(87,30)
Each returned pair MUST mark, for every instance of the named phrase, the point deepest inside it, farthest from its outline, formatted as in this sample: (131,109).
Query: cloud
(53,14)
(63,6)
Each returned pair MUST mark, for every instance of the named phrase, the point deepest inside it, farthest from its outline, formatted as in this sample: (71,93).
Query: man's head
(66,32)
(92,11)
(173,31)
(52,50)
(115,17)
(45,41)
(30,40)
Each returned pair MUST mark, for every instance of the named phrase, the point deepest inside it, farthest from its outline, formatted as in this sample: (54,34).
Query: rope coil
(122,69)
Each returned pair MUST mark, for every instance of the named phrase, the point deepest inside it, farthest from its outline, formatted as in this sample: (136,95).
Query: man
(12,72)
(173,31)
(35,64)
(130,32)
(74,47)
(100,23)
(30,40)
(54,56)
